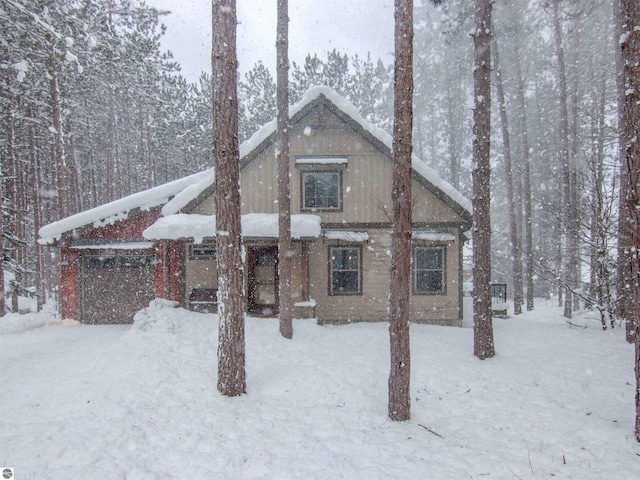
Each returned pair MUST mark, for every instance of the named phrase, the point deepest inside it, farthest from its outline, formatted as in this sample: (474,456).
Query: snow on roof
(347,235)
(111,212)
(433,236)
(185,196)
(349,109)
(262,225)
(114,246)
(322,160)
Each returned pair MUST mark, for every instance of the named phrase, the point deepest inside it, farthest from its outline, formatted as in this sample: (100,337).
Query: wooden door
(262,273)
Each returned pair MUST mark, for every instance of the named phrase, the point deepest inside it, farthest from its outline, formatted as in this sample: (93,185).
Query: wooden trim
(304,274)
(461,241)
(389,225)
(252,252)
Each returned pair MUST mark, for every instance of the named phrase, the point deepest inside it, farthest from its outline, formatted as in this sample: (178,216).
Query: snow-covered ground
(140,402)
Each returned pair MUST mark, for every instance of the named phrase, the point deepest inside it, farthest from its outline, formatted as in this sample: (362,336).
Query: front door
(263,280)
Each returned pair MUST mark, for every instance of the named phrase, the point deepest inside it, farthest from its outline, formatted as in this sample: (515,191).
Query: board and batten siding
(371,304)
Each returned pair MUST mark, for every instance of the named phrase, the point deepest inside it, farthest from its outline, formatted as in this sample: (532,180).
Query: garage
(114,286)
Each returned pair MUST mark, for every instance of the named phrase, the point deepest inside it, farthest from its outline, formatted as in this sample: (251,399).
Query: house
(161,242)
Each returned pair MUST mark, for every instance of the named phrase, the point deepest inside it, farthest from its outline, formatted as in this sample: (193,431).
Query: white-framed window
(429,270)
(321,190)
(345,270)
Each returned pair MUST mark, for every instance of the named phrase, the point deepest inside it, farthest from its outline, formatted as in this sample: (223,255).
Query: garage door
(114,287)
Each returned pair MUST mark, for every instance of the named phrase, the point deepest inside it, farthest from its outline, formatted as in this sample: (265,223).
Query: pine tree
(257,96)
(625,229)
(284,184)
(231,350)
(515,237)
(630,45)
(483,346)
(399,378)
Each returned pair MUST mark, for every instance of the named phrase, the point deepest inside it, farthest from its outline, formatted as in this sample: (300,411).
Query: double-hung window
(321,190)
(428,270)
(345,266)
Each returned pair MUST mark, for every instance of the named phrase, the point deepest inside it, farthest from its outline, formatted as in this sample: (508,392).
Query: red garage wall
(128,229)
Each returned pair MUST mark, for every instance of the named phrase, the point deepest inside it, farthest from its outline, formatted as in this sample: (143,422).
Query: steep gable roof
(343,109)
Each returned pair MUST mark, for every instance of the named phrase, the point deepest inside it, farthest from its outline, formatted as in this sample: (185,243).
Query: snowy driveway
(139,402)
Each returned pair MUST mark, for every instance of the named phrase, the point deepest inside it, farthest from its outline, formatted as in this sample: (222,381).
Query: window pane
(345,258)
(429,270)
(101,262)
(321,190)
(345,270)
(345,282)
(265,259)
(429,258)
(429,281)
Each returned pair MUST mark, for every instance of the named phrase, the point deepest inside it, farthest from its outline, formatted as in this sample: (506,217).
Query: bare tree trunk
(37,214)
(112,156)
(574,208)
(526,193)
(625,238)
(58,149)
(3,308)
(630,43)
(399,377)
(231,349)
(514,235)
(483,345)
(565,160)
(10,190)
(285,303)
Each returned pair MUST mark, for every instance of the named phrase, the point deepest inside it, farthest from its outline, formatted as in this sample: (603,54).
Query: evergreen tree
(399,288)
(483,346)
(257,97)
(285,303)
(630,45)
(231,353)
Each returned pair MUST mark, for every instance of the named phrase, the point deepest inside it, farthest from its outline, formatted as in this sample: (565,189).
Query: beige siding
(372,304)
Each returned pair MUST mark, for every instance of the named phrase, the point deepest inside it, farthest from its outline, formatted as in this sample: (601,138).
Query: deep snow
(140,402)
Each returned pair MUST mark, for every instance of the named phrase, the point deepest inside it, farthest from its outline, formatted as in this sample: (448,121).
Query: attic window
(321,191)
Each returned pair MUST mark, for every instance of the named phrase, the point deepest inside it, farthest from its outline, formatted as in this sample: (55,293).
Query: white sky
(315,26)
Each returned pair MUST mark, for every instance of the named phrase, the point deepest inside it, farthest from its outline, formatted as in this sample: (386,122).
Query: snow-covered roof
(112,212)
(114,246)
(256,225)
(176,195)
(432,236)
(322,160)
(250,145)
(347,235)
(350,110)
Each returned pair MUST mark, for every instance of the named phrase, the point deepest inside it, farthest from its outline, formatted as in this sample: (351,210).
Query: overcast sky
(315,26)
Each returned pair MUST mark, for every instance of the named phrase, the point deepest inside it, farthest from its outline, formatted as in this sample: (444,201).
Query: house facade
(161,243)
